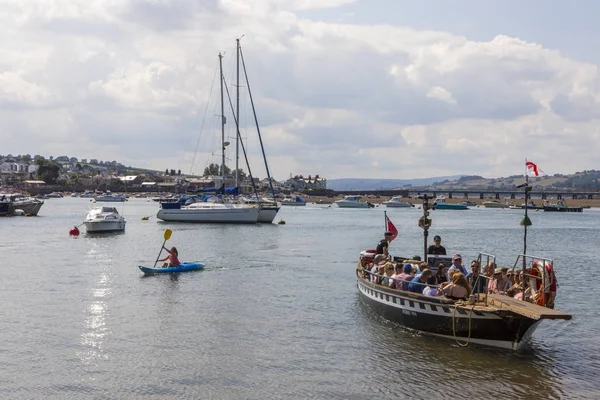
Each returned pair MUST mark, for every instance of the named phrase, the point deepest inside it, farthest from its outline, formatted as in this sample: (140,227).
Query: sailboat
(211,212)
(268,210)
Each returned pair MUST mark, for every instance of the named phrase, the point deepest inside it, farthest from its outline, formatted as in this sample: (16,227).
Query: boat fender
(74,231)
(18,212)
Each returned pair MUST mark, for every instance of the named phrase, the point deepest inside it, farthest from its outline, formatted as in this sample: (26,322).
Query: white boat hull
(267,214)
(398,205)
(352,204)
(234,215)
(105,226)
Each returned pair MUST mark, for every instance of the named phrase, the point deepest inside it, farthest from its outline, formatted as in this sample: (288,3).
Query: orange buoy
(74,231)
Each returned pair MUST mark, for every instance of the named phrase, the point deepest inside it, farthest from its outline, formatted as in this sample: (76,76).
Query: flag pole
(526,222)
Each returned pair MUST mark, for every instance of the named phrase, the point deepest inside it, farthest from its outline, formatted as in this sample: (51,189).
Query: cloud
(134,80)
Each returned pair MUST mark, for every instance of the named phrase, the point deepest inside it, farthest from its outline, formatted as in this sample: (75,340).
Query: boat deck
(526,309)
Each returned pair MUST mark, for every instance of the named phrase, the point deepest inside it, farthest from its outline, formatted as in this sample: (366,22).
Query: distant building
(299,182)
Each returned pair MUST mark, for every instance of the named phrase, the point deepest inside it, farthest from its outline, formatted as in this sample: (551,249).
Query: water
(276,312)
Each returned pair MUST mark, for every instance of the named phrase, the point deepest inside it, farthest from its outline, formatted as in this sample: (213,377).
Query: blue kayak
(183,267)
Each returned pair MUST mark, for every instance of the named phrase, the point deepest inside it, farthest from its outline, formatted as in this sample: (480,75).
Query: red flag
(391,228)
(533,170)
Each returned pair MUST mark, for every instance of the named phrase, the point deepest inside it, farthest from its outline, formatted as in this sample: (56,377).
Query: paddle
(167,235)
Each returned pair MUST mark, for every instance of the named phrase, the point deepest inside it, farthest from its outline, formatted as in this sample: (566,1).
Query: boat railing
(487,259)
(373,274)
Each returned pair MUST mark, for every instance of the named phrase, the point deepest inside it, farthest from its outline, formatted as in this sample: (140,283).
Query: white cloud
(337,99)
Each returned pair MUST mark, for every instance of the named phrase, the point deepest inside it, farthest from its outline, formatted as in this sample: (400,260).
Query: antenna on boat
(425,223)
(222,123)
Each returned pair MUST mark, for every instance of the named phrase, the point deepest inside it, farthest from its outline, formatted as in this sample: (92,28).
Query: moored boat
(561,206)
(29,205)
(494,204)
(353,202)
(291,201)
(104,219)
(397,202)
(440,204)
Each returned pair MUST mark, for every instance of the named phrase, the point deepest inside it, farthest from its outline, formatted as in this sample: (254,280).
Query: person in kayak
(173,260)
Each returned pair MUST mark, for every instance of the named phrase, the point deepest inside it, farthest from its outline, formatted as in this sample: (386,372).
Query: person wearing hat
(436,248)
(382,246)
(379,260)
(457,265)
(500,283)
(403,279)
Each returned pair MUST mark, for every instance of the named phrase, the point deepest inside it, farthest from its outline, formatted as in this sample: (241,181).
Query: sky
(342,88)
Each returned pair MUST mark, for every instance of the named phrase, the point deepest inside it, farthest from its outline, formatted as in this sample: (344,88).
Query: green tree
(47,171)
(215,169)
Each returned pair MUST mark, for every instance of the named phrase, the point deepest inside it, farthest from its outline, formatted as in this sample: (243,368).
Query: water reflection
(390,349)
(96,328)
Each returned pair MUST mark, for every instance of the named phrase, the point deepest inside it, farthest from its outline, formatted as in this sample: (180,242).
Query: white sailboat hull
(232,215)
(267,214)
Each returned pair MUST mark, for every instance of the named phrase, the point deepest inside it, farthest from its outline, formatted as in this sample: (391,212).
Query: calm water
(276,312)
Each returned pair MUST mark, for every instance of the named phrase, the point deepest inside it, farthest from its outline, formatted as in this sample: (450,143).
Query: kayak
(183,267)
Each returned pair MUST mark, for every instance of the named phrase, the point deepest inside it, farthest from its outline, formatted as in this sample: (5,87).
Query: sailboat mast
(256,122)
(222,121)
(237,113)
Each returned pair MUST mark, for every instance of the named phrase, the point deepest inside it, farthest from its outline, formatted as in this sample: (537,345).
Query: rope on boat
(454,326)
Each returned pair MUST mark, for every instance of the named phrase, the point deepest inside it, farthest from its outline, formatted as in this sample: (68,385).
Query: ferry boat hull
(434,316)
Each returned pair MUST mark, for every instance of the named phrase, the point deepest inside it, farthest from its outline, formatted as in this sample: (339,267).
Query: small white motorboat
(104,219)
(353,202)
(397,201)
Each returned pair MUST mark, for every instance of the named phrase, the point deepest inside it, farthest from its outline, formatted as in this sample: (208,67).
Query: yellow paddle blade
(168,233)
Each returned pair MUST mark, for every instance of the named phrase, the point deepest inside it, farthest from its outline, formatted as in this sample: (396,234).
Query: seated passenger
(458,289)
(500,284)
(388,271)
(489,269)
(431,289)
(441,274)
(395,281)
(477,282)
(379,260)
(405,277)
(418,283)
(380,272)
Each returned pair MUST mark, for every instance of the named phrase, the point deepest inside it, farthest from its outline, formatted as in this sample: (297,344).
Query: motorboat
(561,206)
(29,205)
(4,206)
(494,204)
(468,203)
(109,197)
(353,202)
(290,201)
(104,219)
(397,201)
(440,204)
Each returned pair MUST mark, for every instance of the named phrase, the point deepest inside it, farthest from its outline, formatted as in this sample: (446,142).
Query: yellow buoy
(144,218)
(281,222)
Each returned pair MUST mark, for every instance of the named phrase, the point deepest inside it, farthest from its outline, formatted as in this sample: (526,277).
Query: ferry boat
(496,320)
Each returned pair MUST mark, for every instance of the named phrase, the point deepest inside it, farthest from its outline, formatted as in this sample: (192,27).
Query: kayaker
(172,258)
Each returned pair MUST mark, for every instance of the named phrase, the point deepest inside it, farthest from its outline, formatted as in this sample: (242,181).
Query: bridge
(476,193)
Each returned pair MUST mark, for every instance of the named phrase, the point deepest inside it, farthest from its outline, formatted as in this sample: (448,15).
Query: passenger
(441,274)
(457,265)
(382,246)
(418,283)
(489,269)
(395,281)
(378,259)
(500,284)
(388,272)
(436,247)
(423,266)
(431,289)
(458,289)
(172,258)
(405,277)
(477,282)
(380,272)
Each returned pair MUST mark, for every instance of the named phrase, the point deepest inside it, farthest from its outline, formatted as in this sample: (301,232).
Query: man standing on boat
(382,246)
(436,248)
